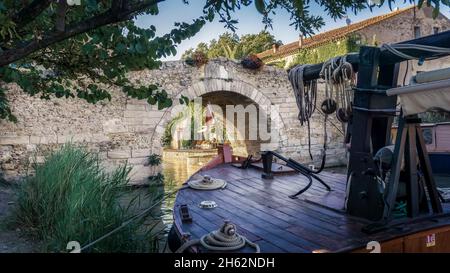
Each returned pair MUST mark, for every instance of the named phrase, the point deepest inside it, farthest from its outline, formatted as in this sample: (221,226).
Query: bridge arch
(219,86)
(129,130)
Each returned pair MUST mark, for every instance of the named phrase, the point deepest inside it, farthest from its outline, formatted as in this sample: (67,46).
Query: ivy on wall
(326,51)
(279,64)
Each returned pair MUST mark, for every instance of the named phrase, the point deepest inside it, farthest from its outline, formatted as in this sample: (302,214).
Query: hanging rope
(339,78)
(224,239)
(305,93)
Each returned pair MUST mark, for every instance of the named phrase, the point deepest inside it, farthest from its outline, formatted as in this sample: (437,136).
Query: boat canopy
(427,91)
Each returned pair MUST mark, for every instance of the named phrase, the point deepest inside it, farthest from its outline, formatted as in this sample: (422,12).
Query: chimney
(275,48)
(300,41)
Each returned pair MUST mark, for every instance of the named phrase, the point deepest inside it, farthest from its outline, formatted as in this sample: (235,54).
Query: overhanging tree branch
(30,12)
(125,12)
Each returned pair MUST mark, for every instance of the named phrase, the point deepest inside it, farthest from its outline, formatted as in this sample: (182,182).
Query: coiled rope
(224,239)
(207,183)
(339,79)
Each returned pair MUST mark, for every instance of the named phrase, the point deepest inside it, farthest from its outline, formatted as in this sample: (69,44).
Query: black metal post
(267,158)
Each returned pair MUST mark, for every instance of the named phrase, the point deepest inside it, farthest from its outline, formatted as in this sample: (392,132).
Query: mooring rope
(207,183)
(127,222)
(224,239)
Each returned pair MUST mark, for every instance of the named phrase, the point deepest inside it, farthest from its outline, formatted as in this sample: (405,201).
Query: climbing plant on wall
(326,51)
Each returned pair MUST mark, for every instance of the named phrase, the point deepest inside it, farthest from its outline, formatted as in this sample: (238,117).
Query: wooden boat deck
(265,214)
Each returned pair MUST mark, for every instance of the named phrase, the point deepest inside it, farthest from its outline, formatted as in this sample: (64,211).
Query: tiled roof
(321,38)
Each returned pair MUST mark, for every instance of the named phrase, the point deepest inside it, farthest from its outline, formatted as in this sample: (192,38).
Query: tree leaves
(5,111)
(260,6)
(231,46)
(89,64)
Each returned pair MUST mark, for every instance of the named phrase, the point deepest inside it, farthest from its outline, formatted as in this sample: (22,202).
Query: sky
(172,11)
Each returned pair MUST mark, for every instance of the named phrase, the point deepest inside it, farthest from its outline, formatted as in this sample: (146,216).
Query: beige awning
(421,97)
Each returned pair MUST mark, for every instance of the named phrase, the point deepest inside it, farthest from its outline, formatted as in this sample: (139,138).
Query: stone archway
(129,130)
(210,87)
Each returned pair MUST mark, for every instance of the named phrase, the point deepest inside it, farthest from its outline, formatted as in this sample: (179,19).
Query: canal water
(176,171)
(177,167)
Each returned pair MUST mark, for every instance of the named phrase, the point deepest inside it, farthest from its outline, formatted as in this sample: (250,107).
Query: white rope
(225,239)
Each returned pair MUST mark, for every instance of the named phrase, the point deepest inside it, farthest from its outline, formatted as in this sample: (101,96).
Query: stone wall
(126,129)
(396,29)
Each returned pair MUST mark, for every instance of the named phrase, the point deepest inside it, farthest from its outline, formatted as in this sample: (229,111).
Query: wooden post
(412,185)
(427,171)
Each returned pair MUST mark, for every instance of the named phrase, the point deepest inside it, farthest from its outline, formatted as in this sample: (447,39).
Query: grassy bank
(72,198)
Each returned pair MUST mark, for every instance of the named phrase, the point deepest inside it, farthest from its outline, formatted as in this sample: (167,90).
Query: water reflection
(177,169)
(178,166)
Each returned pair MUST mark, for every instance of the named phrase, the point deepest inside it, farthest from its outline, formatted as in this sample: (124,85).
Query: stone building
(399,25)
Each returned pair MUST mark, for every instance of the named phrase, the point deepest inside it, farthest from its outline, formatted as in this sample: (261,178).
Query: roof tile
(328,36)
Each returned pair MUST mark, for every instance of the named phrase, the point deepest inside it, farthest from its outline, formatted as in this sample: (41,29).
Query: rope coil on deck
(207,183)
(224,239)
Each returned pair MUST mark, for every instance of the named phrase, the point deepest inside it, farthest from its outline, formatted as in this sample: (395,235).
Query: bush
(197,59)
(71,198)
(154,159)
(252,62)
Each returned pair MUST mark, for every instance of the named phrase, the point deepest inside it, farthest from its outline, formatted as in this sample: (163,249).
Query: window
(435,30)
(416,32)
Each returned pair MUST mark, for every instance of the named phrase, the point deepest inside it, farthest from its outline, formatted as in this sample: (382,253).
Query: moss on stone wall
(326,51)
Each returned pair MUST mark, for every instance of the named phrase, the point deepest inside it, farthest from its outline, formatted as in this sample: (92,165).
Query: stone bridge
(126,129)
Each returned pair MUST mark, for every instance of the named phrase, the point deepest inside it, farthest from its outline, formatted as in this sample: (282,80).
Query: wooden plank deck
(265,214)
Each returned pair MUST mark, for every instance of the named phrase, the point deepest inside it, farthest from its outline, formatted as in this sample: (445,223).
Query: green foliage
(5,111)
(187,143)
(88,64)
(54,50)
(279,64)
(326,51)
(231,46)
(435,117)
(157,179)
(201,48)
(71,198)
(167,137)
(154,160)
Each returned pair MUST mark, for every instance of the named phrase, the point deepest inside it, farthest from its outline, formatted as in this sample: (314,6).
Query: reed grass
(72,198)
